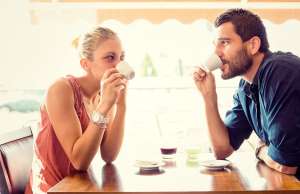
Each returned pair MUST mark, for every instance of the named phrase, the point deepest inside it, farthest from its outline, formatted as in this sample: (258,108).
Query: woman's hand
(121,100)
(112,84)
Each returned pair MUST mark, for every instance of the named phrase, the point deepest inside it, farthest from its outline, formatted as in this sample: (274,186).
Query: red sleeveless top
(50,163)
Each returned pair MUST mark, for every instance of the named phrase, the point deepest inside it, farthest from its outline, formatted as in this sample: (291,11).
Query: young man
(267,100)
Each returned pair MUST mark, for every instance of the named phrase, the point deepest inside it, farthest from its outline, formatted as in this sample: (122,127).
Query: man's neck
(257,60)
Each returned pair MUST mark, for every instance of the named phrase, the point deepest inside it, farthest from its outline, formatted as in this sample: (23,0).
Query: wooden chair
(16,152)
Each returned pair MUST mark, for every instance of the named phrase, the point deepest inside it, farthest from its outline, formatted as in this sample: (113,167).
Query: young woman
(82,114)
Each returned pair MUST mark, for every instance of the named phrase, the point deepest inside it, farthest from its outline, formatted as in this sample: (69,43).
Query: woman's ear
(254,45)
(84,64)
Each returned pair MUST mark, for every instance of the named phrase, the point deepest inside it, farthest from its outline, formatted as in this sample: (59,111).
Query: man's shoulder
(277,67)
(281,59)
(283,62)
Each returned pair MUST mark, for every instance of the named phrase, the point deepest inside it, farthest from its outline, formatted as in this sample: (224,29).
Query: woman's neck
(89,86)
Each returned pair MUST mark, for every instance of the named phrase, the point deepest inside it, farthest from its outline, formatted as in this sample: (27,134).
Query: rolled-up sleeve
(237,124)
(288,159)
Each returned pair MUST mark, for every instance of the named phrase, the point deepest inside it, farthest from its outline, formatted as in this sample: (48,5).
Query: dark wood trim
(15,135)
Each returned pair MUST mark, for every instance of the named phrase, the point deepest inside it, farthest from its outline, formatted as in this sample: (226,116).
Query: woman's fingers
(118,82)
(108,73)
(113,77)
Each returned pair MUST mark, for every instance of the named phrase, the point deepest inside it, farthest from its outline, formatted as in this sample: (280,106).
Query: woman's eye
(110,58)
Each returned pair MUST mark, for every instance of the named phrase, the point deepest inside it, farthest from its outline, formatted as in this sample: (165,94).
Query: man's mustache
(224,61)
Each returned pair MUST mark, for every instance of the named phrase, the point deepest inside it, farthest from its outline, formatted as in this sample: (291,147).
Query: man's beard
(239,65)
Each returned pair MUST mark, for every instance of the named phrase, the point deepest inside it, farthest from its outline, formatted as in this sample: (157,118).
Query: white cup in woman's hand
(124,68)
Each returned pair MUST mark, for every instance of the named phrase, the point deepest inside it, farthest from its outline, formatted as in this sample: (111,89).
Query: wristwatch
(99,119)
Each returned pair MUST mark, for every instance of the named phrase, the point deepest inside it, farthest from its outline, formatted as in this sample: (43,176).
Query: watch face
(98,118)
(95,116)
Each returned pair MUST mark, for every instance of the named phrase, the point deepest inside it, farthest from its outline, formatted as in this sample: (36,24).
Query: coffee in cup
(124,68)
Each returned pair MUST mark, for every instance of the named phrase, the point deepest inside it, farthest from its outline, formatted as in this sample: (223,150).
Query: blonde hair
(88,42)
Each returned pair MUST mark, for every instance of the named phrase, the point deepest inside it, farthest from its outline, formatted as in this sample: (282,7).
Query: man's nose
(218,51)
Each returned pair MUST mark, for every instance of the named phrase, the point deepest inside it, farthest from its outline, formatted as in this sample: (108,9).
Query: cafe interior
(163,41)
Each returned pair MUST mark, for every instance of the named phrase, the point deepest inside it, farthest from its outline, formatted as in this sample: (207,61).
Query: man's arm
(218,132)
(263,155)
(261,150)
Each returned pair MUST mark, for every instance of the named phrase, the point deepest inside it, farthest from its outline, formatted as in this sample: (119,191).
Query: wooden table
(244,175)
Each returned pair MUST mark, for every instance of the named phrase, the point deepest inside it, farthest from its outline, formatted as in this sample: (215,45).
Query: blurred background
(163,40)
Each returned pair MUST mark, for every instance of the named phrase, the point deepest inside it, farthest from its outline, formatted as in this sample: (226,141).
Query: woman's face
(108,54)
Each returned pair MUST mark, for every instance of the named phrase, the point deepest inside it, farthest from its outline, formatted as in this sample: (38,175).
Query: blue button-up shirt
(271,107)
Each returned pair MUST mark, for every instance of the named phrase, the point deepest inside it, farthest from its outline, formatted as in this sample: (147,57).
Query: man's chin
(225,76)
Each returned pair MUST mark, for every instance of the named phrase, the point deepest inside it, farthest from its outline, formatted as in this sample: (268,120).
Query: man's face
(232,51)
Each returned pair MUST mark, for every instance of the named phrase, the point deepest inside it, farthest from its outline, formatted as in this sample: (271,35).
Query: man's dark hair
(246,24)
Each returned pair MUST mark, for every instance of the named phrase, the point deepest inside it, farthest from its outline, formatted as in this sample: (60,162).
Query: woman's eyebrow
(109,53)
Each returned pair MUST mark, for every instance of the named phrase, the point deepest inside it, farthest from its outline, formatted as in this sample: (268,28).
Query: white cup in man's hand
(124,68)
(212,62)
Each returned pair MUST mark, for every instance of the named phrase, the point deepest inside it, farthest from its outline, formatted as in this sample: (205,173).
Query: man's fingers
(199,76)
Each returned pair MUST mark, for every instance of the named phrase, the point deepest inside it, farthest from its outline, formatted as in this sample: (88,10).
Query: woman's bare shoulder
(60,88)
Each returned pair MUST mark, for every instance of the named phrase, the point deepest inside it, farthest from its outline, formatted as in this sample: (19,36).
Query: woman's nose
(116,63)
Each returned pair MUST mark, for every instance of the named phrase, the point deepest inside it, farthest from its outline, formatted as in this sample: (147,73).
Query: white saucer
(215,164)
(148,165)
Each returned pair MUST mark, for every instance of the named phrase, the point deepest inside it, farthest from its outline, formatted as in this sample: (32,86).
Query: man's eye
(224,42)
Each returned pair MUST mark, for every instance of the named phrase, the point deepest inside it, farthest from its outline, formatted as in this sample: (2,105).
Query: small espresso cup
(124,68)
(211,63)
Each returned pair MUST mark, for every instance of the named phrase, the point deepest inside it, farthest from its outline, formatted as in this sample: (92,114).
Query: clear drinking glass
(168,147)
(169,135)
(192,144)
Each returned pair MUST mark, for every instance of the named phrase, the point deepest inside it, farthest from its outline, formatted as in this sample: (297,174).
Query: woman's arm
(79,147)
(113,137)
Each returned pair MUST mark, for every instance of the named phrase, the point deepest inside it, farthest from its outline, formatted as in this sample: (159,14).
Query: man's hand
(205,83)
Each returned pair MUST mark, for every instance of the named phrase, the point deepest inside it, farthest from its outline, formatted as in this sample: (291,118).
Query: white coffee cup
(211,63)
(124,68)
